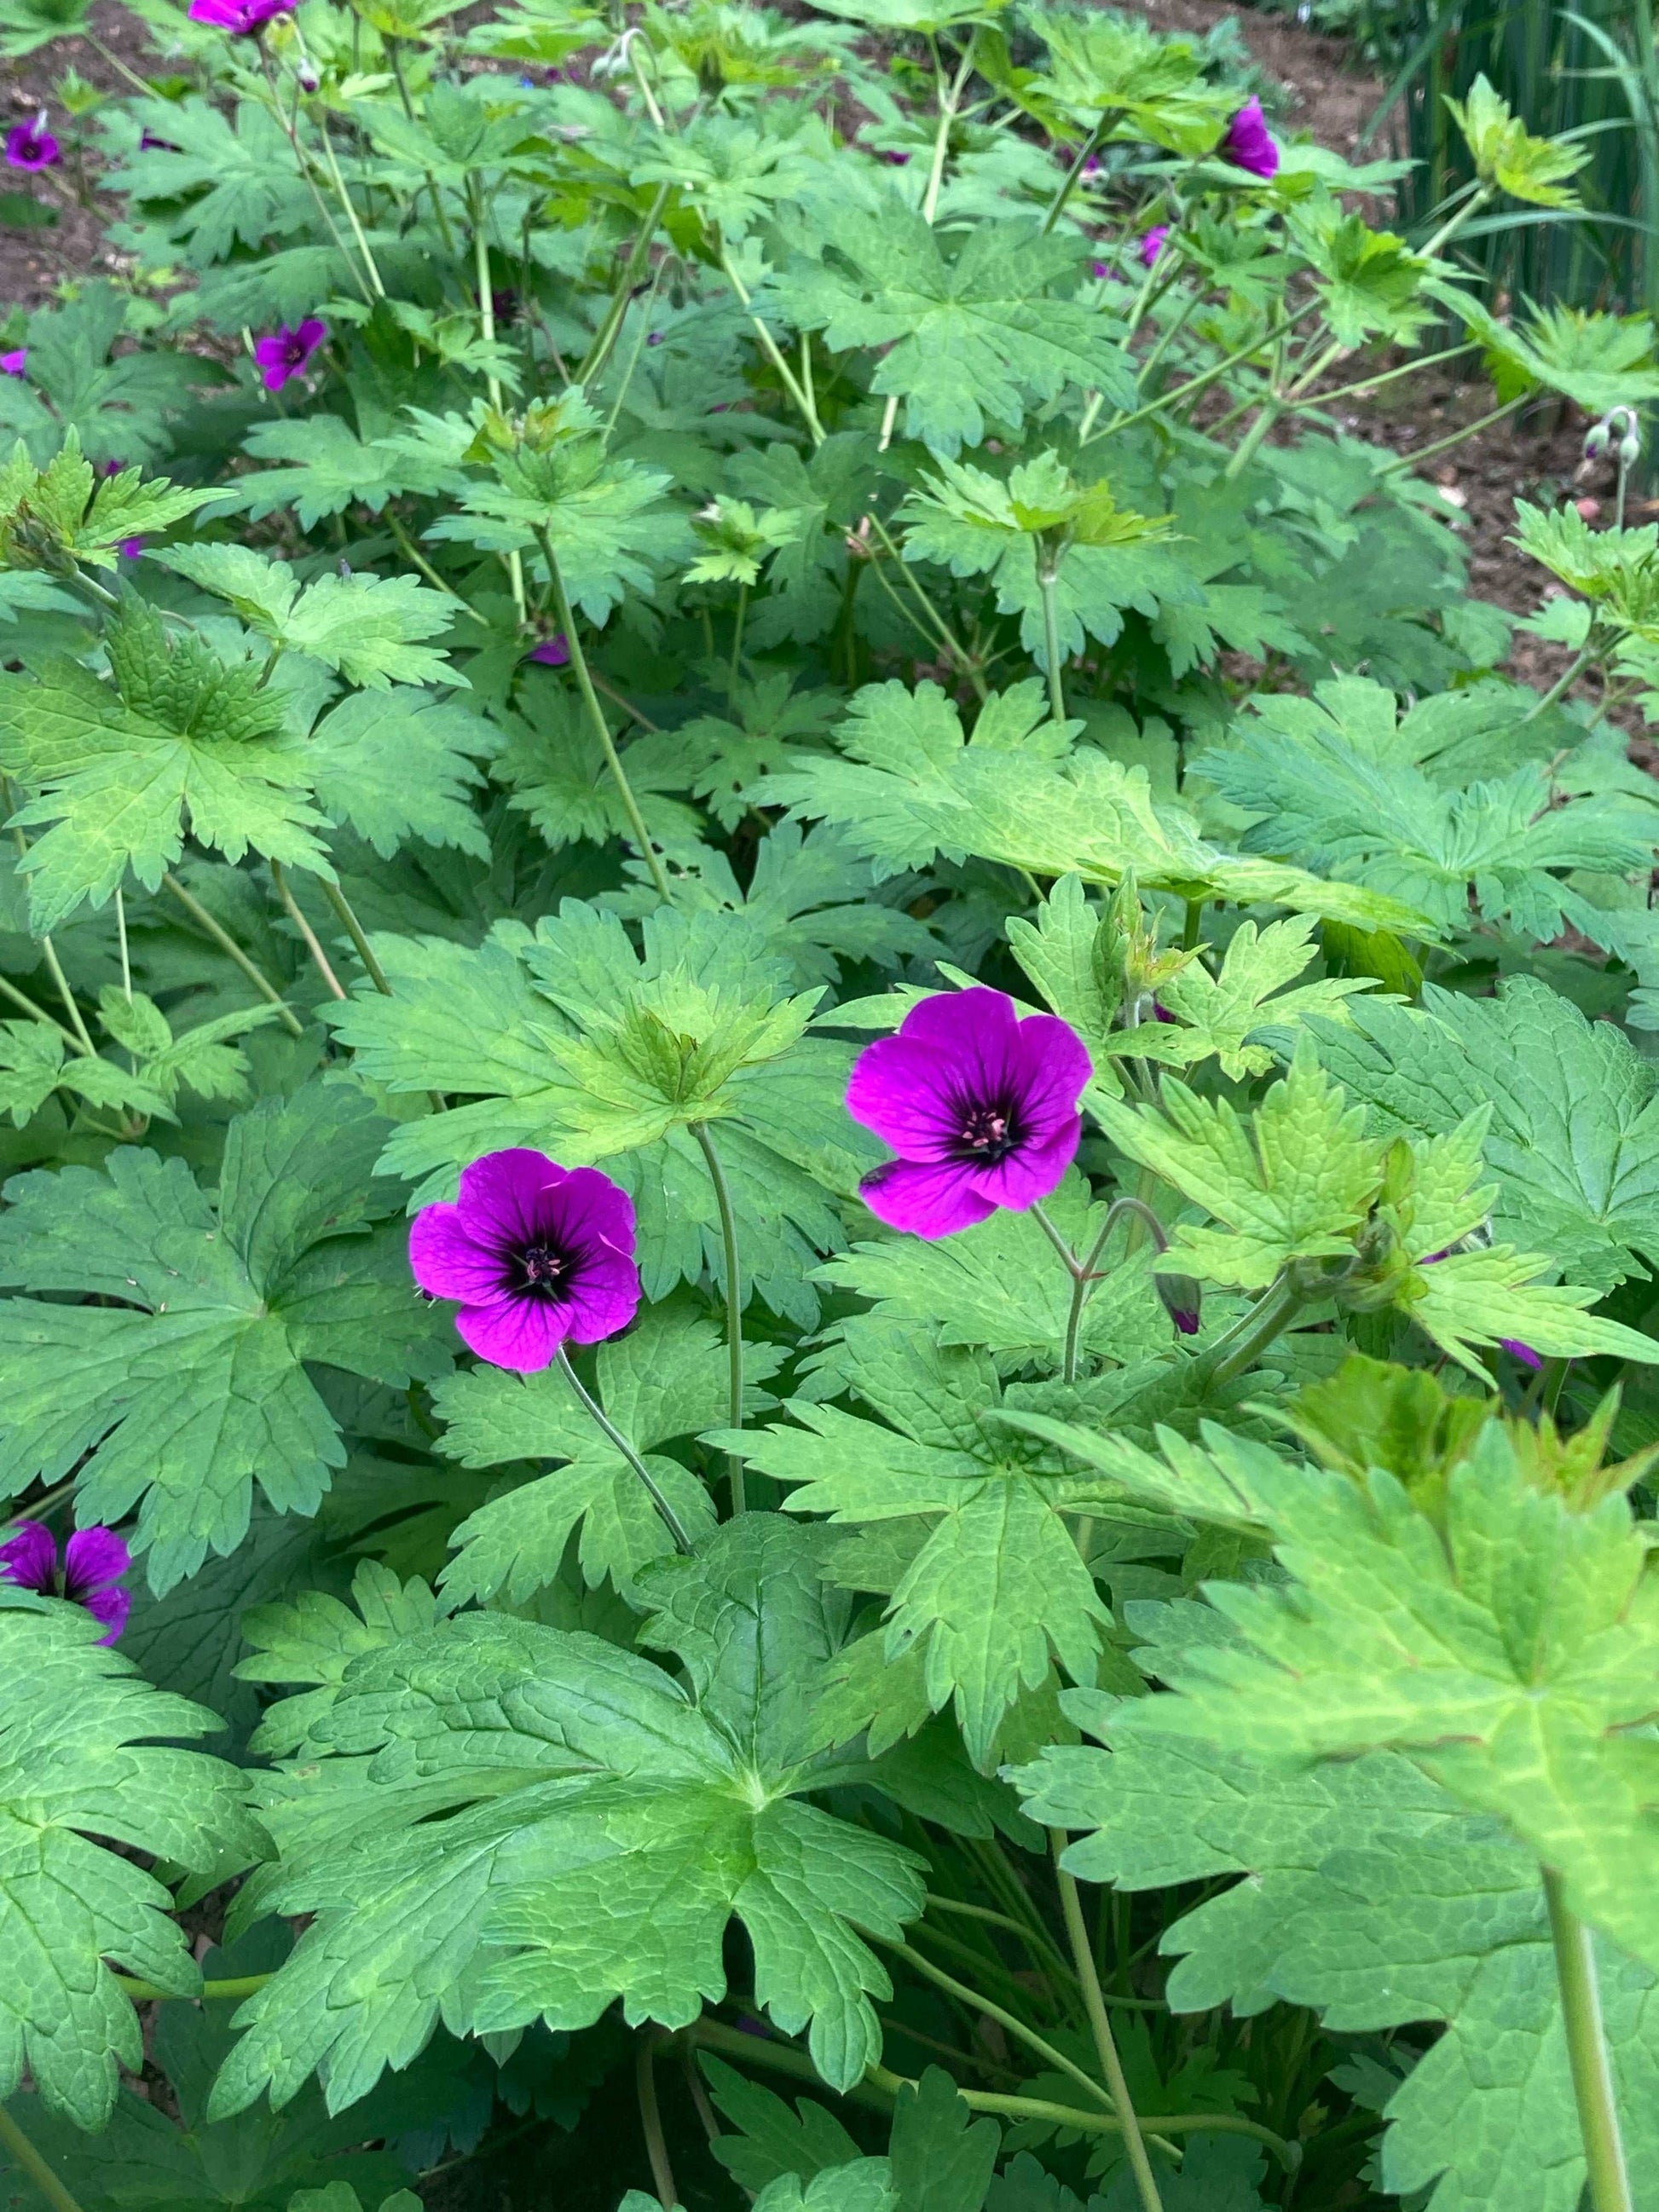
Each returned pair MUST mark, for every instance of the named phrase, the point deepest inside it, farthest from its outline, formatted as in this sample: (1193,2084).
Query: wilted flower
(1182,1299)
(95,1561)
(240,17)
(1249,143)
(536,1254)
(31,145)
(980,1106)
(1151,244)
(287,353)
(553,652)
(13,363)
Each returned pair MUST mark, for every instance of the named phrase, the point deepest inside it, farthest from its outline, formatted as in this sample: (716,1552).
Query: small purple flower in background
(13,363)
(1153,243)
(1524,1353)
(31,145)
(655,338)
(553,652)
(130,548)
(1093,166)
(896,160)
(95,1561)
(1249,143)
(980,1106)
(241,18)
(1100,268)
(287,353)
(534,1253)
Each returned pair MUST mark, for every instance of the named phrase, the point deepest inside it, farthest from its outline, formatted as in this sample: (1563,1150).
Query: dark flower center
(988,1130)
(540,1271)
(293,351)
(28,148)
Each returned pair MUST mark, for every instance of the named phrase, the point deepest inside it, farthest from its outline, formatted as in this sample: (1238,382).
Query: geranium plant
(831,1156)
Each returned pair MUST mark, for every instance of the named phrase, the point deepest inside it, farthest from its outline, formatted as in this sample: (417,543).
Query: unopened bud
(1595,441)
(1630,450)
(309,75)
(1183,1300)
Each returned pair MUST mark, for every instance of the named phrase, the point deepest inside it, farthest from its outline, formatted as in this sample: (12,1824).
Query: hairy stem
(1562,683)
(1587,2052)
(608,1428)
(308,935)
(733,1306)
(24,2155)
(601,728)
(1094,2004)
(231,950)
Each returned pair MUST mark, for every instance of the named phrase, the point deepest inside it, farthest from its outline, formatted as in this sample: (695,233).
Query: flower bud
(1595,441)
(1630,449)
(1183,1300)
(309,75)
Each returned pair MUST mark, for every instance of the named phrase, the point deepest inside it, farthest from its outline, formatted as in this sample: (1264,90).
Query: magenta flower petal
(533,1252)
(980,1106)
(1249,144)
(29,1559)
(1153,243)
(553,652)
(13,363)
(93,1560)
(927,1200)
(111,1607)
(287,353)
(241,18)
(1524,1353)
(32,146)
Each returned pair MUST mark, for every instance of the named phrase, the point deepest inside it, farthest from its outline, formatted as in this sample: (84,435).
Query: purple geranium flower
(535,1253)
(241,18)
(95,1561)
(288,354)
(1153,243)
(1100,268)
(130,548)
(553,652)
(895,160)
(980,1106)
(1524,1353)
(1249,143)
(13,363)
(31,145)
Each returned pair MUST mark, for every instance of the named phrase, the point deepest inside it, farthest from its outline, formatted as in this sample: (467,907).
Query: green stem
(1084,1278)
(1587,2052)
(1047,583)
(633,269)
(935,621)
(55,970)
(346,202)
(1388,376)
(976,2000)
(1203,380)
(1107,120)
(475,202)
(733,1306)
(1249,1335)
(1037,1941)
(353,929)
(230,1992)
(601,728)
(24,2155)
(10,990)
(1562,683)
(656,2143)
(1455,222)
(1445,445)
(736,669)
(308,935)
(608,1428)
(1094,2004)
(231,950)
(880,2087)
(792,383)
